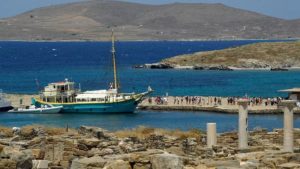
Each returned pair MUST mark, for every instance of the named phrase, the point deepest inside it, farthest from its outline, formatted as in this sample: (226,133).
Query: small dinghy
(47,109)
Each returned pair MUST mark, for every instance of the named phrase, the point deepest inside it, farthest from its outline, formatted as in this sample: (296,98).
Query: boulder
(129,148)
(36,142)
(118,164)
(156,142)
(23,159)
(221,163)
(143,157)
(142,166)
(15,138)
(1,148)
(85,163)
(7,164)
(29,132)
(38,153)
(89,142)
(82,147)
(40,164)
(106,151)
(95,132)
(80,153)
(166,161)
(289,166)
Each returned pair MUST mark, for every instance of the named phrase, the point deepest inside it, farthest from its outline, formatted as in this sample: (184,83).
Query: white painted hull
(51,110)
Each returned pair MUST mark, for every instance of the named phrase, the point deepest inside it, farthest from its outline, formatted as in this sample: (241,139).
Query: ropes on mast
(113,51)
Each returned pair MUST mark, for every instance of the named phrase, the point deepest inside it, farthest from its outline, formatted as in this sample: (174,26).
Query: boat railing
(57,93)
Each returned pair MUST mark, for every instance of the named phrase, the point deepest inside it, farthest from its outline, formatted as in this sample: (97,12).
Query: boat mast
(113,51)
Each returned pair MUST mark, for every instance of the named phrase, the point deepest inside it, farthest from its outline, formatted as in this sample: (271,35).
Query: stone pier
(288,127)
(211,134)
(243,123)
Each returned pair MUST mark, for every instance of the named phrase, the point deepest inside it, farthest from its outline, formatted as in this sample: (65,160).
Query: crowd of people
(187,100)
(256,101)
(212,101)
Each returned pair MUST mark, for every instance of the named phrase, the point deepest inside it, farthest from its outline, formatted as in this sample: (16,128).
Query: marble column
(287,107)
(211,134)
(243,123)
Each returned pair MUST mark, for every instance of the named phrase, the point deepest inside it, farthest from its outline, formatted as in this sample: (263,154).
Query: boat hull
(52,110)
(128,106)
(5,109)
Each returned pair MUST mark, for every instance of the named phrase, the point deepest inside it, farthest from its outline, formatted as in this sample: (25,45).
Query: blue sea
(23,64)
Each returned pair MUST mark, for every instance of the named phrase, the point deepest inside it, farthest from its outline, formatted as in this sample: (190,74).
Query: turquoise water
(88,63)
(169,120)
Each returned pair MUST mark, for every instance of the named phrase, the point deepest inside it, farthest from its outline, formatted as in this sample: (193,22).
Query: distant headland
(277,56)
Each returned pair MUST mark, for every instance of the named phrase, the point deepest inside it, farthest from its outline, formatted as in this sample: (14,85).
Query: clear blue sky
(288,9)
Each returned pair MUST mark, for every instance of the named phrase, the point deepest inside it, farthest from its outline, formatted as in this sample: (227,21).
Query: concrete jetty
(179,103)
(211,104)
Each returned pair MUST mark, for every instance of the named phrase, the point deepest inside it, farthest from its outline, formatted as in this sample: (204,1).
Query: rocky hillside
(259,55)
(92,20)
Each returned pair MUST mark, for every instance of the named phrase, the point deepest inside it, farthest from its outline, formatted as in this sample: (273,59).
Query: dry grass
(7,132)
(51,131)
(28,130)
(143,132)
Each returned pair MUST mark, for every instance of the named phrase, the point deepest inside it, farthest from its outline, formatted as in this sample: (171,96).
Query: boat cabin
(293,94)
(105,96)
(59,92)
(65,92)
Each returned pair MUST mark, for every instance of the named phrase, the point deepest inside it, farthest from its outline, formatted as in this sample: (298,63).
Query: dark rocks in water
(169,66)
(279,69)
(161,66)
(199,68)
(153,66)
(139,66)
(221,67)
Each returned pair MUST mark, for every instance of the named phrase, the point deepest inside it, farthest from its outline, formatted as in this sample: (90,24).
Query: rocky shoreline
(170,66)
(140,148)
(212,67)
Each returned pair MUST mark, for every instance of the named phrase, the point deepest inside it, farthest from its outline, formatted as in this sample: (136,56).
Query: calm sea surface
(89,63)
